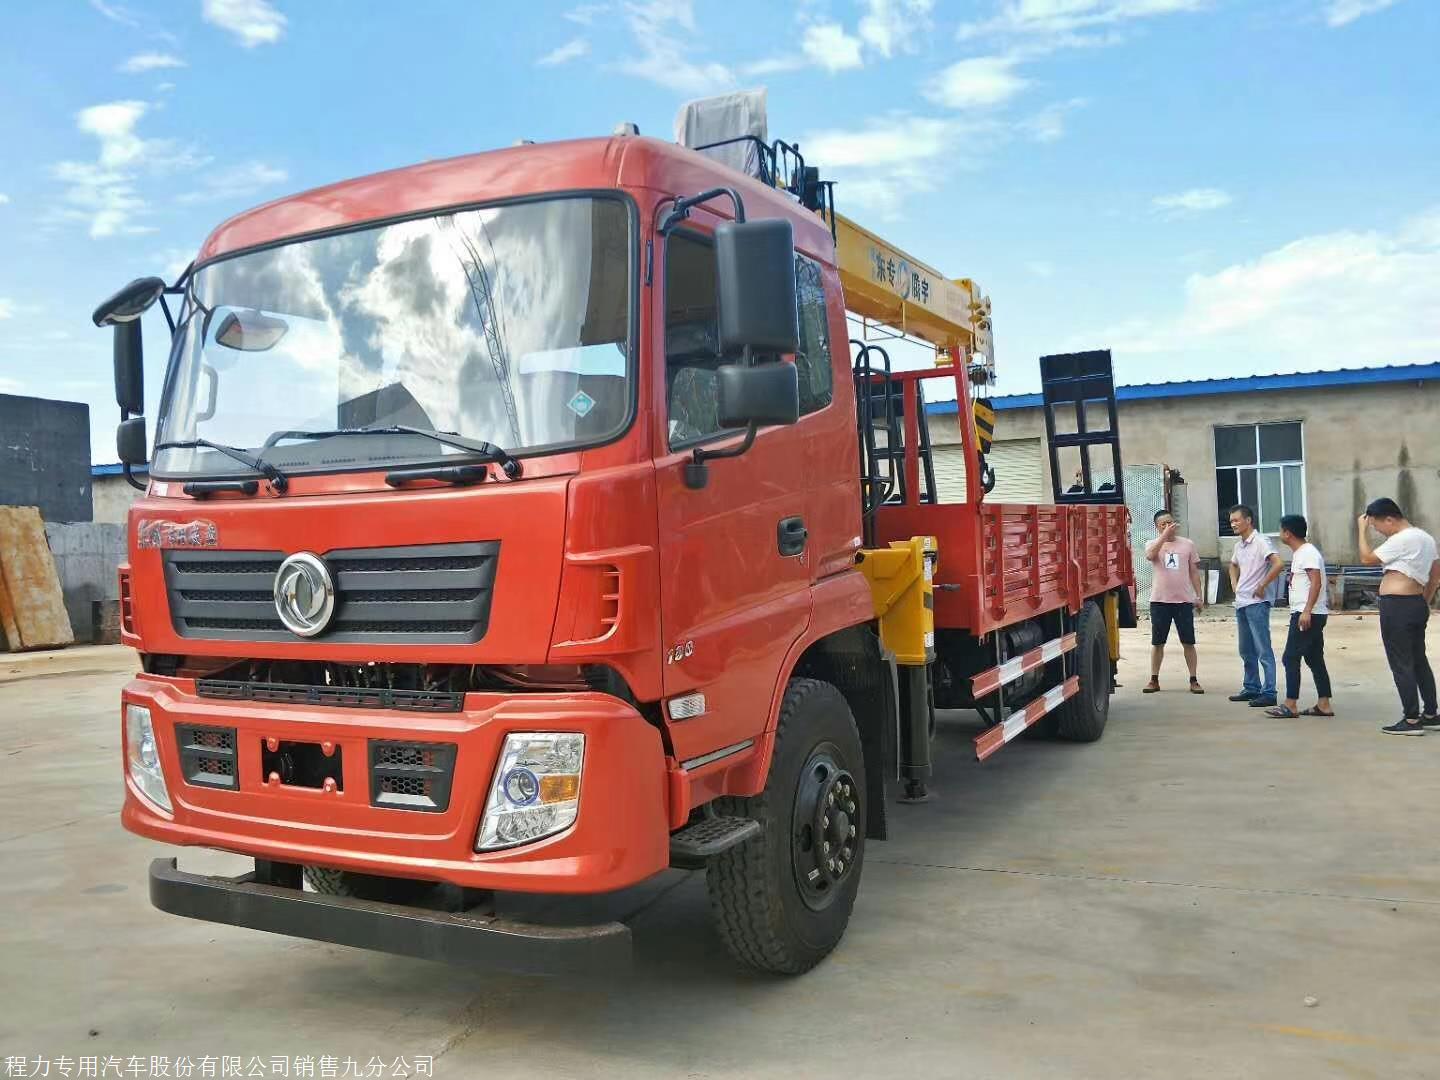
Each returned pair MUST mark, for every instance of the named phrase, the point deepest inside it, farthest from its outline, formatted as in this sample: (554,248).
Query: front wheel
(782,899)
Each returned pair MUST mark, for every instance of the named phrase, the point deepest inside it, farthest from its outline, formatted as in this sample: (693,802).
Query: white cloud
(586,14)
(827,45)
(1340,12)
(7,307)
(253,22)
(102,193)
(4,198)
(235,182)
(890,26)
(571,50)
(978,82)
(151,61)
(172,261)
(1059,17)
(888,159)
(1192,201)
(1042,268)
(115,13)
(663,30)
(1338,299)
(1048,124)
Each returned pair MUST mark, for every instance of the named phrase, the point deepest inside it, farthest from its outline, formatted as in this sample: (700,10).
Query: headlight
(536,791)
(144,756)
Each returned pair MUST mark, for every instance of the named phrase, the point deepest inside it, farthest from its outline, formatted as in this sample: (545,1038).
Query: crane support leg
(901,589)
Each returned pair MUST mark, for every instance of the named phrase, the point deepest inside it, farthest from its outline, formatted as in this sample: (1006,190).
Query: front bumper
(620,837)
(472,939)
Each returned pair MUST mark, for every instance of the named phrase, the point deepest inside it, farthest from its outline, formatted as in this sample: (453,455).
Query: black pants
(1402,629)
(1307,645)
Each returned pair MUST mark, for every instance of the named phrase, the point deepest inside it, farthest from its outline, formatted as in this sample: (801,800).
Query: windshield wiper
(278,480)
(477,447)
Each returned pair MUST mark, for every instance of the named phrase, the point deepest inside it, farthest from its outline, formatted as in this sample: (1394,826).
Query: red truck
(508,530)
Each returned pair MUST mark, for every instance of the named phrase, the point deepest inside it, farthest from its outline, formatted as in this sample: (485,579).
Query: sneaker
(1263,702)
(1241,696)
(1430,721)
(1405,727)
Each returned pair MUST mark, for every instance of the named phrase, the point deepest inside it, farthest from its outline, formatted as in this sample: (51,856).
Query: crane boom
(889,286)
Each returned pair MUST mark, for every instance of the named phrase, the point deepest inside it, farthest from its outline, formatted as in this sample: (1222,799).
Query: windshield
(508,324)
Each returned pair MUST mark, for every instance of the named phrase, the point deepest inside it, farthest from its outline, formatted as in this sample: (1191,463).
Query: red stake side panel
(1001,564)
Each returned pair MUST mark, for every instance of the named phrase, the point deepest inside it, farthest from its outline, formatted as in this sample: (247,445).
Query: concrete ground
(1161,903)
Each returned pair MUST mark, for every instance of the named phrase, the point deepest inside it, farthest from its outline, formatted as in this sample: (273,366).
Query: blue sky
(1207,187)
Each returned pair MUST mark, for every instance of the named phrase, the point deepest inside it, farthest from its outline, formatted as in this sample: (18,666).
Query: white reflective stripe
(1050,650)
(1011,669)
(1014,726)
(1054,696)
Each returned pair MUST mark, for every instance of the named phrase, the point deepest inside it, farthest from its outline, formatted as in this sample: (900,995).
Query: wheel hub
(826,838)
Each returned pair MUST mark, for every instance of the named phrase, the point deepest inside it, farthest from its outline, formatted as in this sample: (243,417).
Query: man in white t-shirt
(1309,611)
(1412,577)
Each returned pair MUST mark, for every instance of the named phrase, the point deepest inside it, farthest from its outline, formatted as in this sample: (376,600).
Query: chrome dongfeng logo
(304,594)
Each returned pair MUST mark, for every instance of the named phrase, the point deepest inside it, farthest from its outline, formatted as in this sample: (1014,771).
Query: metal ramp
(1072,384)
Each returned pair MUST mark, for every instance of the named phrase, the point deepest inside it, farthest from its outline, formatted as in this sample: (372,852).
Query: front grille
(354,697)
(207,756)
(411,776)
(437,594)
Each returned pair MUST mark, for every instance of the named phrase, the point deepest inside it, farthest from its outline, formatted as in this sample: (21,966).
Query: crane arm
(885,284)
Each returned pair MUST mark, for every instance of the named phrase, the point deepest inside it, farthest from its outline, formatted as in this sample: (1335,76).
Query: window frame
(632,346)
(707,240)
(1256,467)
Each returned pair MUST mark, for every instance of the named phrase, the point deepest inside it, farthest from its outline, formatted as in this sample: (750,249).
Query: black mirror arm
(130,479)
(680,210)
(697,472)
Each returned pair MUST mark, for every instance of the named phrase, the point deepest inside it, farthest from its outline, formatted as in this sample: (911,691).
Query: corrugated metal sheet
(1019,476)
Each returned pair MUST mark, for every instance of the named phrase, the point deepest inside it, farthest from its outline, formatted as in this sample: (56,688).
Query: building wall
(45,456)
(1361,442)
(87,558)
(112,497)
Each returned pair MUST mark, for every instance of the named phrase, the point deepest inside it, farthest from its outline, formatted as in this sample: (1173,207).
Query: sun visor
(736,120)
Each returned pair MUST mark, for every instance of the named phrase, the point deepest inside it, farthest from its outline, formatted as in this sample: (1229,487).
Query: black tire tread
(749,913)
(1076,720)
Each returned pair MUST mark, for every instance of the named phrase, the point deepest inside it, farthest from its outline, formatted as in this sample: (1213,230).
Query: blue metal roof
(1249,384)
(117,470)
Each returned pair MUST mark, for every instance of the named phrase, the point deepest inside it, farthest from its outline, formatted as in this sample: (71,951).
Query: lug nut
(826,847)
(830,864)
(826,822)
(852,830)
(840,867)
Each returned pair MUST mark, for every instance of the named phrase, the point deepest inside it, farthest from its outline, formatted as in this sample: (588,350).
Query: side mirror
(129,367)
(129,303)
(130,441)
(755,270)
(761,394)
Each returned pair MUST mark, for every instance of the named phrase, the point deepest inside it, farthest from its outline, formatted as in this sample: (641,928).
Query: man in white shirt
(1309,611)
(1253,567)
(1412,576)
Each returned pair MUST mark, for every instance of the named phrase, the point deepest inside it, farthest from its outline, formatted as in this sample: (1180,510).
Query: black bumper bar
(471,939)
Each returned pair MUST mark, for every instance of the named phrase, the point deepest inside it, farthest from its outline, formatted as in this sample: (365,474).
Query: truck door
(735,585)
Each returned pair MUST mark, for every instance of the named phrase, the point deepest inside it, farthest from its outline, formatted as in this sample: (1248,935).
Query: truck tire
(782,899)
(364,886)
(1082,717)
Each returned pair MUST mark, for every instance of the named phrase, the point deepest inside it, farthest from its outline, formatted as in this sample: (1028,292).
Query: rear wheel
(782,899)
(1082,717)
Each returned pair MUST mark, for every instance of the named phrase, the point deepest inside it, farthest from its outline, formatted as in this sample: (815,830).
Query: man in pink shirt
(1253,569)
(1175,596)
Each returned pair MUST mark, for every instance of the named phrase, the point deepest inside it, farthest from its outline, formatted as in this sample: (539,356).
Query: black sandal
(1314,710)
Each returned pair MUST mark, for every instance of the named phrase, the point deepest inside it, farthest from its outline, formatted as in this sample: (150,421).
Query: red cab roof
(626,161)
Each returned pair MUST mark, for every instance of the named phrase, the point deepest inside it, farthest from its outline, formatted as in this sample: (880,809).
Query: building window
(1262,466)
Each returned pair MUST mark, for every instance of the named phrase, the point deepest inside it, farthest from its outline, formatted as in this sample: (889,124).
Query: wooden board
(32,607)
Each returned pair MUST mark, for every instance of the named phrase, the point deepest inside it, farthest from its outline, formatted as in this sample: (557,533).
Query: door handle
(792,534)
